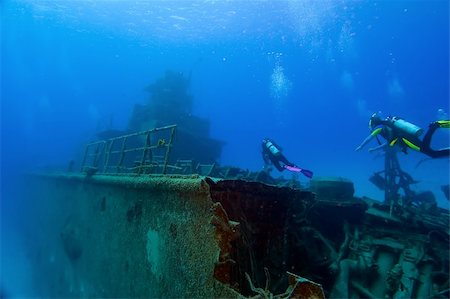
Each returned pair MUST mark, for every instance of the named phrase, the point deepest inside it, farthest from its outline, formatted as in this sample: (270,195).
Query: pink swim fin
(307,173)
(292,168)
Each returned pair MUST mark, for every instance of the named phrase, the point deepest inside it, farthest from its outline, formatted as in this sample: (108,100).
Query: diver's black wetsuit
(389,132)
(275,156)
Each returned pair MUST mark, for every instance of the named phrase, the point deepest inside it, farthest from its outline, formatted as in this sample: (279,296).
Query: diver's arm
(377,147)
(368,138)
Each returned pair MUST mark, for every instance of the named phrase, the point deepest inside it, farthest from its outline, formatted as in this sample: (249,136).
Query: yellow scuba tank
(406,127)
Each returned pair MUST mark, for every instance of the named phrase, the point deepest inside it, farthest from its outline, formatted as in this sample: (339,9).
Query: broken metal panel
(227,232)
(300,288)
(265,215)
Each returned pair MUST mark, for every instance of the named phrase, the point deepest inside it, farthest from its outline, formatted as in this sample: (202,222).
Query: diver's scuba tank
(272,148)
(406,127)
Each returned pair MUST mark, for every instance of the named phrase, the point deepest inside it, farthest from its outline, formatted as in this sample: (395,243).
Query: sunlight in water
(280,87)
(280,84)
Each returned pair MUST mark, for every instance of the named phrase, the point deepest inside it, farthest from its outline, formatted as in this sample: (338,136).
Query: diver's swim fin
(307,173)
(292,168)
(444,123)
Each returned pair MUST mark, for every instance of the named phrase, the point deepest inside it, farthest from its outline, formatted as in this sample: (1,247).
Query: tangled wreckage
(141,220)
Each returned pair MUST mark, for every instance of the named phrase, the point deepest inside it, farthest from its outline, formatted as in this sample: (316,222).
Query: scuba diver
(271,152)
(405,134)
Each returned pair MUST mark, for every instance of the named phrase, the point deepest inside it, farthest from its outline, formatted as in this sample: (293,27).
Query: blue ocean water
(306,73)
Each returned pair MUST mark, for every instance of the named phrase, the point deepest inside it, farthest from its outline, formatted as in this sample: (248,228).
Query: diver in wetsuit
(271,152)
(406,135)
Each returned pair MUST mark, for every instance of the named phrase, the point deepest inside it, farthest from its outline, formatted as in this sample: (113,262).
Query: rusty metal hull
(112,236)
(193,236)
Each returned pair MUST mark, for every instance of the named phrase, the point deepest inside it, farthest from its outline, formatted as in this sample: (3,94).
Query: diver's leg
(276,162)
(278,166)
(426,143)
(445,152)
(283,159)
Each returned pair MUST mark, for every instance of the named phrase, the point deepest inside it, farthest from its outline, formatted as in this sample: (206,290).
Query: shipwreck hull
(170,236)
(114,236)
(155,236)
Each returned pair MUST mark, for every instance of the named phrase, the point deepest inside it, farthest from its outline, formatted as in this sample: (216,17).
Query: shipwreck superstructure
(171,103)
(144,217)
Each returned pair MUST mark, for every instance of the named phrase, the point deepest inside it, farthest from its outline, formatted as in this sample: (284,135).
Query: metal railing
(138,153)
